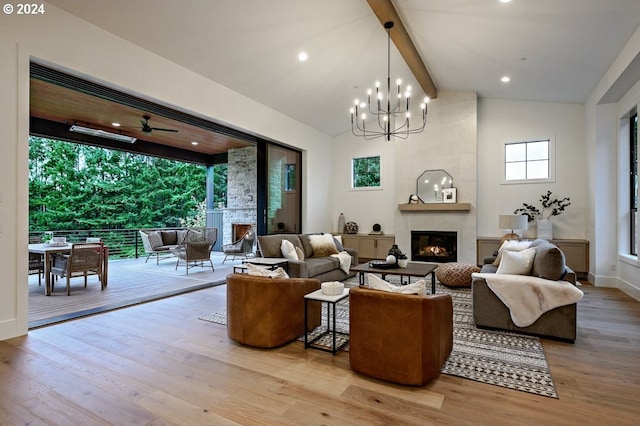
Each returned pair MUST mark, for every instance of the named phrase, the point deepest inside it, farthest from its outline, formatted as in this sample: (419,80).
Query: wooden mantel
(434,207)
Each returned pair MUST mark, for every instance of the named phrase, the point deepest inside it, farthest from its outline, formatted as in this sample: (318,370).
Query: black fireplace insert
(434,246)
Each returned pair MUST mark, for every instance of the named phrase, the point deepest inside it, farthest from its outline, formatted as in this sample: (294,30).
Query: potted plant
(551,206)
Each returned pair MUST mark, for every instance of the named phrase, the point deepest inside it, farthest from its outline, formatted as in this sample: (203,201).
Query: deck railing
(127,243)
(122,243)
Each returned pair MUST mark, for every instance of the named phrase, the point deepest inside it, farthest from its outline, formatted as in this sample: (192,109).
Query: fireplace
(434,246)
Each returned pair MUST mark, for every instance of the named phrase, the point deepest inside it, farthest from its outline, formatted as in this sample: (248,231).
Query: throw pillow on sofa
(517,262)
(288,250)
(323,245)
(511,245)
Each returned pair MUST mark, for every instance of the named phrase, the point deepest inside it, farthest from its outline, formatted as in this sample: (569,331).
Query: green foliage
(550,207)
(366,172)
(73,186)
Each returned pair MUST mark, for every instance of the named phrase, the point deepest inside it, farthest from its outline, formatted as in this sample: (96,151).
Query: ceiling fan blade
(163,130)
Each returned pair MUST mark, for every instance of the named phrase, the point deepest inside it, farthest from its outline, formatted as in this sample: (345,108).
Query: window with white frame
(365,172)
(528,161)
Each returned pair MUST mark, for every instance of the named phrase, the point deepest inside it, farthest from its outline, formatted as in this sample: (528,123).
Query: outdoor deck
(131,281)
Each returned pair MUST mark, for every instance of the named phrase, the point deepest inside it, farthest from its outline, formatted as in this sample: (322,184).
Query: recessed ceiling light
(115,124)
(302,56)
(505,79)
(194,143)
(505,1)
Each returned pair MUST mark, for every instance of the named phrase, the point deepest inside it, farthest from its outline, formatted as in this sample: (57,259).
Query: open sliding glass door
(282,212)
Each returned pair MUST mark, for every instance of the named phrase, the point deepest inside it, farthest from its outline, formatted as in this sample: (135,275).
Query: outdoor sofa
(160,241)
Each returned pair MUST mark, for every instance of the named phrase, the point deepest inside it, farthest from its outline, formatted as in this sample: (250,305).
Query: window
(366,172)
(633,184)
(525,161)
(290,177)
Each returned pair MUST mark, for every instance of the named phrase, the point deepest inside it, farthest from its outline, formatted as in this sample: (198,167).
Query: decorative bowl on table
(381,264)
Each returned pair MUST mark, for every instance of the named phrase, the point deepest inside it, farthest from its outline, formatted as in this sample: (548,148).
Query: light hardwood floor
(157,364)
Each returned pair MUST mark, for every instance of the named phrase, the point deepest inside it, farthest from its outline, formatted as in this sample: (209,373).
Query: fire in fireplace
(434,246)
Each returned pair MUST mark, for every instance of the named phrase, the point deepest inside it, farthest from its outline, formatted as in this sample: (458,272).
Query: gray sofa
(325,268)
(559,323)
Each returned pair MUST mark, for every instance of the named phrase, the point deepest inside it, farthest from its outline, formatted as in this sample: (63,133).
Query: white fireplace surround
(449,142)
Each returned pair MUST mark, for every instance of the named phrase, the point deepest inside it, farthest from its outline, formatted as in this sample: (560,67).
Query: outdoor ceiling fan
(148,129)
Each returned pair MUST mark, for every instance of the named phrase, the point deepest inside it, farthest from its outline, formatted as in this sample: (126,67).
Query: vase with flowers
(551,206)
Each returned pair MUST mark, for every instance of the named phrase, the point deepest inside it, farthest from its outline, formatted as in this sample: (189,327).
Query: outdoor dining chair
(36,261)
(85,259)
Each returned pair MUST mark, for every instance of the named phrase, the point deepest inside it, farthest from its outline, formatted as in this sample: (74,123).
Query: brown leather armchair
(268,312)
(400,338)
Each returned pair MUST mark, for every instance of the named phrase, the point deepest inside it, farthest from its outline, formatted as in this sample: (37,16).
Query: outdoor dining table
(49,249)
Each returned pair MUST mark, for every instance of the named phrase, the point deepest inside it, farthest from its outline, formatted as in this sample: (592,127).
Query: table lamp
(514,222)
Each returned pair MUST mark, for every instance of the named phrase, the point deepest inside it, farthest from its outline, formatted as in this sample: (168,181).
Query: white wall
(366,207)
(448,142)
(70,43)
(611,265)
(501,121)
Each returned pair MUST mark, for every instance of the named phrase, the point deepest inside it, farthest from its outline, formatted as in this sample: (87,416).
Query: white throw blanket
(345,261)
(529,297)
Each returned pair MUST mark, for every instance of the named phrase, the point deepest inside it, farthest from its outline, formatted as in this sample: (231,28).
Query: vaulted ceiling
(552,50)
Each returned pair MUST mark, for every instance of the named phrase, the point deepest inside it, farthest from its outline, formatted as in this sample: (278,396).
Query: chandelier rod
(384,117)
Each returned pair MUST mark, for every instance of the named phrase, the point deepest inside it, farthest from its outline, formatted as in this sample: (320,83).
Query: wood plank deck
(131,281)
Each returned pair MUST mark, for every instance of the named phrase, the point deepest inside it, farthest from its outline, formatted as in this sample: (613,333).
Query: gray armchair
(196,248)
(241,248)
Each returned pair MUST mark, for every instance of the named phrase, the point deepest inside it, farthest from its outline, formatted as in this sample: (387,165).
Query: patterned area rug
(498,358)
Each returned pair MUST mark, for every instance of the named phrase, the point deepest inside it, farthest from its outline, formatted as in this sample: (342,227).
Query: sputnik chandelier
(392,121)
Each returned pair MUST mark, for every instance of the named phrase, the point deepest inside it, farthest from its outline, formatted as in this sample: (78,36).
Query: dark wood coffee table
(413,269)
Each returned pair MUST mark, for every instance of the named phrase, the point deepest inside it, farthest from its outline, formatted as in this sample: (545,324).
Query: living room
(465,136)
(157,363)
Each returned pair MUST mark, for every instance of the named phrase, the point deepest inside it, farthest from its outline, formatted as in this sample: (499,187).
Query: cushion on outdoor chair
(169,237)
(155,239)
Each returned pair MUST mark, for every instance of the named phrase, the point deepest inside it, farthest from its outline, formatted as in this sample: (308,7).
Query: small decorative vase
(341,223)
(545,229)
(394,251)
(351,228)
(402,263)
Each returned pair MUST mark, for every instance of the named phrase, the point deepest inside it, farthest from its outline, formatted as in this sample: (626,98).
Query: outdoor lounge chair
(241,248)
(196,247)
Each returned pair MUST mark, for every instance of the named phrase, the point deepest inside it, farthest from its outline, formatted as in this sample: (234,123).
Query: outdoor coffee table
(331,301)
(413,269)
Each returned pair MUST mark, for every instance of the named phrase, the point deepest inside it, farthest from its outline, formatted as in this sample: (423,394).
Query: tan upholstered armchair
(85,259)
(196,247)
(401,338)
(268,312)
